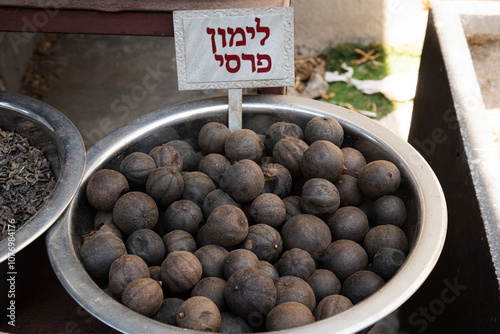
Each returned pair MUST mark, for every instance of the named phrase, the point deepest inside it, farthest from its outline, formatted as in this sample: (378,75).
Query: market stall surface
(100,83)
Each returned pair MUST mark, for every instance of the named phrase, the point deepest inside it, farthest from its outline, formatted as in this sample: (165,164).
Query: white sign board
(234,48)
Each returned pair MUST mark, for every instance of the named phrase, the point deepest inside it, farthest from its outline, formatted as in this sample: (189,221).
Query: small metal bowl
(420,189)
(51,131)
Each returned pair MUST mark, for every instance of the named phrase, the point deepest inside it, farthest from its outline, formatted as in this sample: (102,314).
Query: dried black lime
(294,289)
(197,186)
(238,259)
(154,272)
(226,226)
(104,228)
(167,156)
(280,130)
(388,209)
(124,270)
(99,253)
(165,185)
(243,144)
(243,181)
(189,157)
(332,305)
(379,178)
(324,283)
(269,269)
(344,258)
(292,206)
(212,259)
(348,222)
(143,295)
(288,315)
(250,292)
(183,215)
(296,262)
(361,285)
(179,240)
(382,236)
(319,197)
(288,152)
(322,159)
(306,232)
(387,262)
(168,311)
(264,241)
(349,190)
(203,238)
(105,187)
(214,165)
(180,271)
(200,314)
(136,167)
(278,179)
(134,211)
(146,244)
(213,289)
(217,198)
(268,209)
(212,137)
(324,128)
(354,161)
(324,201)
(232,324)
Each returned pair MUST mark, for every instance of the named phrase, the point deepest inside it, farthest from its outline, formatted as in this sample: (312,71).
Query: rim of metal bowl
(71,152)
(427,246)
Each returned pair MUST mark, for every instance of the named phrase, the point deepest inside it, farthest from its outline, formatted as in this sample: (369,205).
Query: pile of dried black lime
(25,180)
(244,232)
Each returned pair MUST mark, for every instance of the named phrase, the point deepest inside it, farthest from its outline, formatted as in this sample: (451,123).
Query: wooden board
(143,5)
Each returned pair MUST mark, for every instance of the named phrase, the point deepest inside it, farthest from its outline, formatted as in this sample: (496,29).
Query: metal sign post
(234,49)
(235,114)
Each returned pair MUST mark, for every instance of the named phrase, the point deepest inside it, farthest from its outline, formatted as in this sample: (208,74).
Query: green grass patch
(384,61)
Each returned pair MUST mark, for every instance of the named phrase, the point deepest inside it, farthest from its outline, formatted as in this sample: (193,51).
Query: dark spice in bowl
(25,178)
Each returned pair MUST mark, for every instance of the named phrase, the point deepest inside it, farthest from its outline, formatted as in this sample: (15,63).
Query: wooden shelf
(112,17)
(127,17)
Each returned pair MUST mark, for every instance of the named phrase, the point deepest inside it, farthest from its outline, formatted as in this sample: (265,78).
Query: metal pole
(235,119)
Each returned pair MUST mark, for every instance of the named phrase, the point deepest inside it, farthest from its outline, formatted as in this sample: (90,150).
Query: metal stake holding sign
(234,49)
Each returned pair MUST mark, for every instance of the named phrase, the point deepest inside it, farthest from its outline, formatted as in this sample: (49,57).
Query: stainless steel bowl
(420,189)
(63,147)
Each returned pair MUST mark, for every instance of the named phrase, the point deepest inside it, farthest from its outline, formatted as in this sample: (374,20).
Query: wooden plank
(86,22)
(143,5)
(273,90)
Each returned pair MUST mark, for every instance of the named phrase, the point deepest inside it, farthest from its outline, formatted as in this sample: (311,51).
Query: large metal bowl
(51,131)
(23,256)
(426,227)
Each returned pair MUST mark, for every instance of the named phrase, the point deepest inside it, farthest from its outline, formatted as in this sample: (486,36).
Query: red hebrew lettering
(219,58)
(264,30)
(259,63)
(240,31)
(251,58)
(222,32)
(230,58)
(251,30)
(211,31)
